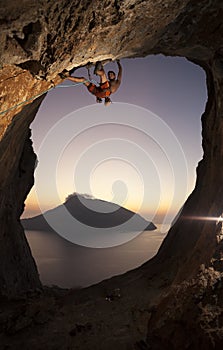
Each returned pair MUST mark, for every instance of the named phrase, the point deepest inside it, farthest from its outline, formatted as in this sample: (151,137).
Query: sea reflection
(68,265)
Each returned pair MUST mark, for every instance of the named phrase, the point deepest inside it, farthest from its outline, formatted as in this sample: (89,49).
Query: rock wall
(38,40)
(18,272)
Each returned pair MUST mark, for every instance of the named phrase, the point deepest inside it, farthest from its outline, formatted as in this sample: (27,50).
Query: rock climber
(108,85)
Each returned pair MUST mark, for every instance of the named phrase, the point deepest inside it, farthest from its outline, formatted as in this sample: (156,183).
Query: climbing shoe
(64,74)
(98,100)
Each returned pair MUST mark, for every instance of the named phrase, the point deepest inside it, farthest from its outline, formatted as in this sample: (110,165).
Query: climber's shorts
(101,91)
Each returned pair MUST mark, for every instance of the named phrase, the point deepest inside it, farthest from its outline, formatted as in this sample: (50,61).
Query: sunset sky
(141,152)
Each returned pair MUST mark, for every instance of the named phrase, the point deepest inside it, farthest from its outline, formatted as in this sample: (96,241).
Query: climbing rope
(38,95)
(53,87)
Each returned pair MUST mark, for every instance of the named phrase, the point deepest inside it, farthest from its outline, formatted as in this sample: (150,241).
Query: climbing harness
(101,91)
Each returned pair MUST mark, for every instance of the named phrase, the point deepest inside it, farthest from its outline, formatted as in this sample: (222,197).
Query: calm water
(68,265)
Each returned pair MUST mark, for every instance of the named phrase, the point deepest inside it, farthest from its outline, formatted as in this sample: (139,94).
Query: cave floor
(113,314)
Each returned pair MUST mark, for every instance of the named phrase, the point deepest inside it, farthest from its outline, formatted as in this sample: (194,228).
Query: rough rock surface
(18,272)
(194,307)
(38,40)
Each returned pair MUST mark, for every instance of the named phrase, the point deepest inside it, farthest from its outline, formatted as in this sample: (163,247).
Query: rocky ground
(118,315)
(111,315)
(191,315)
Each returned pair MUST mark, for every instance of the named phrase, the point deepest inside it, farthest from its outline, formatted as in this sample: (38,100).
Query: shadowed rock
(41,39)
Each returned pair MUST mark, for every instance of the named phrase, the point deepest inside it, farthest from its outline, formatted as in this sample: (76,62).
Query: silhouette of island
(91,212)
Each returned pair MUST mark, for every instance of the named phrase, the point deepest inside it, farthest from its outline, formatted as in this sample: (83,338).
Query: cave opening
(173,89)
(175,298)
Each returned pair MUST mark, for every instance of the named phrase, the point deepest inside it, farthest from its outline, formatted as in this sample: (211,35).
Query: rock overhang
(41,39)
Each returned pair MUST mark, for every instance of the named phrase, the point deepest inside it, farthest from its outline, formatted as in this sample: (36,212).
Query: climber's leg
(99,70)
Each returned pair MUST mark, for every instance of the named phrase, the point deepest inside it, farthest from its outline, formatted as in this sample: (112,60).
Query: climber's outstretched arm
(79,80)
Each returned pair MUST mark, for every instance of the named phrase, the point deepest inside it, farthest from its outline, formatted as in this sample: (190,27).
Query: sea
(67,265)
